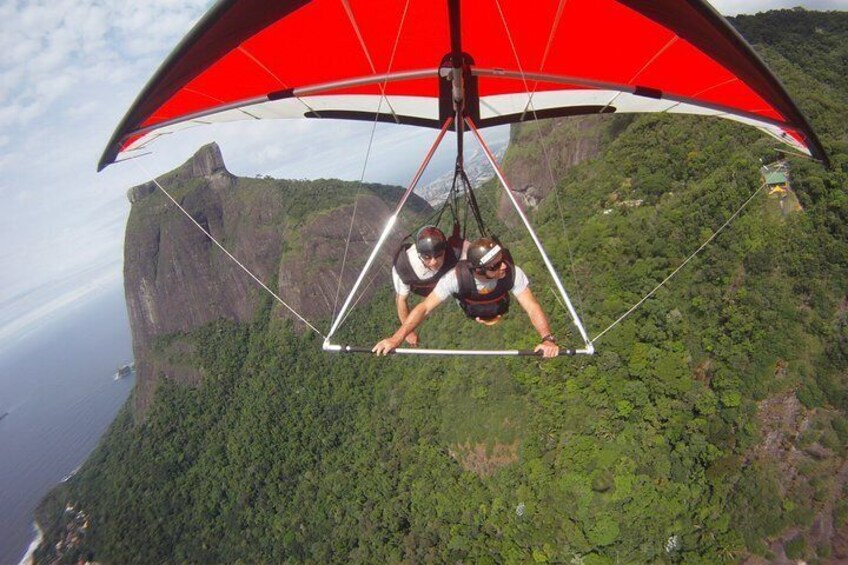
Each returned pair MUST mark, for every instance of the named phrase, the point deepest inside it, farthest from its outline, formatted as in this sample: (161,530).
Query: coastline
(71,474)
(61,401)
(29,556)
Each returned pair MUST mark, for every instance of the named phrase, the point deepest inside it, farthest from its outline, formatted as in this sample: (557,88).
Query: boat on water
(124,371)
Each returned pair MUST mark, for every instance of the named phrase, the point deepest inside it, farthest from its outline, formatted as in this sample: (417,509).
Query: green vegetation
(652,451)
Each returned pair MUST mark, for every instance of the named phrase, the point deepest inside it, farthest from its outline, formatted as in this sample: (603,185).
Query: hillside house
(776,182)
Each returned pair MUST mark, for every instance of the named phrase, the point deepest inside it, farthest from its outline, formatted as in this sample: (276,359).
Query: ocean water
(59,395)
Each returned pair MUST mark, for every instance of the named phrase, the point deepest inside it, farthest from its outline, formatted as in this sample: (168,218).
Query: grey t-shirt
(419,268)
(449,284)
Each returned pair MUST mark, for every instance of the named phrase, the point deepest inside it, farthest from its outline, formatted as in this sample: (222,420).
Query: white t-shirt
(449,284)
(419,268)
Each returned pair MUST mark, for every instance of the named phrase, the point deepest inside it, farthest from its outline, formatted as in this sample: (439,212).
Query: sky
(69,70)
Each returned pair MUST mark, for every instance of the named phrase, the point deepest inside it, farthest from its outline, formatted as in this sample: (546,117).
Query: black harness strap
(491,304)
(421,287)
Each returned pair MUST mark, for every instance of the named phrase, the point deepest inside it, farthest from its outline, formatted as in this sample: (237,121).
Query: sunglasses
(493,268)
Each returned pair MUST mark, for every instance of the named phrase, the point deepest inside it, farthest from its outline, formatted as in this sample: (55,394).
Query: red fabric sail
(356,58)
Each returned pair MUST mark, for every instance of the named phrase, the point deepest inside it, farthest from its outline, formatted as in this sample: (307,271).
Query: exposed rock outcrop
(309,274)
(784,424)
(177,279)
(537,157)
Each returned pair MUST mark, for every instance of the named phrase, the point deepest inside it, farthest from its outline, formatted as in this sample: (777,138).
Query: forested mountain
(711,426)
(291,234)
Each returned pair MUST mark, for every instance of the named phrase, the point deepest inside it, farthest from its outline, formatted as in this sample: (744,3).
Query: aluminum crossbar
(455,352)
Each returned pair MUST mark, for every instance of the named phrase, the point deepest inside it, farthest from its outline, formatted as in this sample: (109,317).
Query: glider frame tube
(452,352)
(590,349)
(386,231)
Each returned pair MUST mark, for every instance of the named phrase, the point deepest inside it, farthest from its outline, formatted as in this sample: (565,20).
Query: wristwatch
(550,338)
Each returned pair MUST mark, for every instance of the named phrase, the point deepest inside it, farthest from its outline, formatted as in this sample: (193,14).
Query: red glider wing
(380,59)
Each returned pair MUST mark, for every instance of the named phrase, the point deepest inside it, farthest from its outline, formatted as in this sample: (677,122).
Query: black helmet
(483,252)
(430,241)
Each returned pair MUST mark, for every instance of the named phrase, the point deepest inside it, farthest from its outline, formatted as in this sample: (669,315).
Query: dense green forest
(658,449)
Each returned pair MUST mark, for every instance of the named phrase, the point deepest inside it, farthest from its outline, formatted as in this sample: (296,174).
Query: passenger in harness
(482,285)
(418,267)
(484,280)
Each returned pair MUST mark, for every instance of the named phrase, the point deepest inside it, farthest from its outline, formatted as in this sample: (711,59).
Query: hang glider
(457,65)
(354,59)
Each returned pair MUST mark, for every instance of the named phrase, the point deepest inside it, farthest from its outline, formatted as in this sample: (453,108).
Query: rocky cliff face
(176,279)
(309,274)
(542,151)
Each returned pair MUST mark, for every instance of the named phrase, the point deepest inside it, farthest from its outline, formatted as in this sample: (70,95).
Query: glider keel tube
(453,352)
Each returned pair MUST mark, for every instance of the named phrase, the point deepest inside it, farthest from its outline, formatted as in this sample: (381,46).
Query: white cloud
(68,70)
(82,110)
(23,196)
(30,312)
(49,46)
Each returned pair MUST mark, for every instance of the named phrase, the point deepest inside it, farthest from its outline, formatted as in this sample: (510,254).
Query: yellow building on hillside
(776,182)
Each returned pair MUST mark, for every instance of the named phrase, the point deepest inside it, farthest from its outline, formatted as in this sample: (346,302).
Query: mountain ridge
(289,234)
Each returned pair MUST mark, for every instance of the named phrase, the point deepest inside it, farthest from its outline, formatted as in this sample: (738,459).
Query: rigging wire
(471,199)
(243,50)
(383,97)
(387,229)
(541,138)
(689,258)
(555,190)
(494,205)
(551,35)
(226,252)
(686,261)
(352,19)
(364,291)
(355,206)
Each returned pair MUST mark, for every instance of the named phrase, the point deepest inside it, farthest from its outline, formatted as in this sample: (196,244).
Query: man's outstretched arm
(539,321)
(402,303)
(416,316)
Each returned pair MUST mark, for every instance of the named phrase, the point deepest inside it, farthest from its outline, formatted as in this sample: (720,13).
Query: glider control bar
(453,352)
